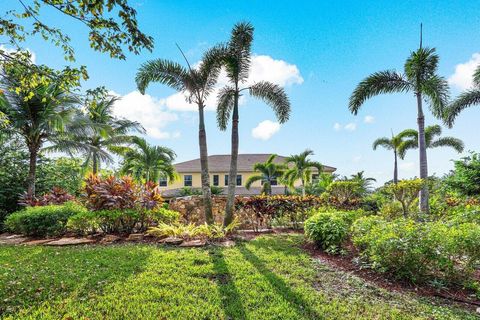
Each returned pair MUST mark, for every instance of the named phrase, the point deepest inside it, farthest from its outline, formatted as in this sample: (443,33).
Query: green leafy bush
(419,252)
(43,221)
(405,192)
(163,215)
(465,178)
(344,194)
(329,230)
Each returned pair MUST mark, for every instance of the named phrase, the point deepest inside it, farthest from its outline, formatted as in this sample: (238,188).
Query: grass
(267,278)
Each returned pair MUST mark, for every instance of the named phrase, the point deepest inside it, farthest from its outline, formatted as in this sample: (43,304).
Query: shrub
(43,221)
(344,195)
(329,230)
(465,179)
(56,196)
(163,215)
(405,192)
(419,252)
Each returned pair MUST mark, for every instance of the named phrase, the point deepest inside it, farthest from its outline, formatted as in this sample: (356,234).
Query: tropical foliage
(465,100)
(301,168)
(269,173)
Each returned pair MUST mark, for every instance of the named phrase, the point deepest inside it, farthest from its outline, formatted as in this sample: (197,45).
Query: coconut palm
(300,168)
(466,99)
(236,61)
(364,182)
(432,139)
(38,116)
(148,163)
(268,173)
(196,84)
(420,78)
(96,133)
(399,147)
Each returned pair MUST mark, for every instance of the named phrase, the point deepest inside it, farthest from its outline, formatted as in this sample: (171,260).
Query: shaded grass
(267,278)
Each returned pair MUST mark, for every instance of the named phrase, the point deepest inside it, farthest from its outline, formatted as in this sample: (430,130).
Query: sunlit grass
(268,278)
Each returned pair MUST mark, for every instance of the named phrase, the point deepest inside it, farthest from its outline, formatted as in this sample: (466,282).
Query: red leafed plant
(56,196)
(120,193)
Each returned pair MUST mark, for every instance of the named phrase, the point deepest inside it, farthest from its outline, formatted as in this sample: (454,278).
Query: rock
(109,238)
(478,310)
(135,237)
(37,242)
(172,240)
(226,243)
(193,243)
(69,242)
(240,238)
(12,239)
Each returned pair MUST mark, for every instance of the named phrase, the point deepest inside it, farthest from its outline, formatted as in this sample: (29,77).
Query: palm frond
(436,89)
(163,71)
(275,96)
(451,142)
(464,100)
(226,97)
(251,180)
(382,142)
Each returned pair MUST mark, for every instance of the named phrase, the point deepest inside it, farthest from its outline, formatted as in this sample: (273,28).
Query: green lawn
(267,278)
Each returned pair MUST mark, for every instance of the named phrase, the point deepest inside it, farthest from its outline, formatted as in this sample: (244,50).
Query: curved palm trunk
(422,155)
(207,192)
(32,169)
(232,178)
(395,168)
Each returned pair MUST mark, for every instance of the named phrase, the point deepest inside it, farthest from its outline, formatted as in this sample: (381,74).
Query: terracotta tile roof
(221,163)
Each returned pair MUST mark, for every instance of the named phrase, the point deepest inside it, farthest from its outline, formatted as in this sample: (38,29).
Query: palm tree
(97,133)
(420,78)
(466,99)
(148,163)
(364,182)
(38,116)
(197,84)
(269,172)
(300,168)
(399,147)
(432,139)
(236,61)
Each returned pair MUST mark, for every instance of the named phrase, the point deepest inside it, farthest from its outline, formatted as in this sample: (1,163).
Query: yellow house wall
(197,180)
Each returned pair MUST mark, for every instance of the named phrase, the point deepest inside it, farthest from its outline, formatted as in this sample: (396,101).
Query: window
(215,180)
(162,182)
(187,180)
(273,182)
(226,179)
(239,180)
(315,178)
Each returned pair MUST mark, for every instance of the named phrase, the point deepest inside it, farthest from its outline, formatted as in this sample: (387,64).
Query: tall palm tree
(148,163)
(236,60)
(420,78)
(38,116)
(466,99)
(399,147)
(197,84)
(96,132)
(268,173)
(300,168)
(433,139)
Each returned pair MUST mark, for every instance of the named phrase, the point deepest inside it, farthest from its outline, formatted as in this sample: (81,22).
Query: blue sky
(318,50)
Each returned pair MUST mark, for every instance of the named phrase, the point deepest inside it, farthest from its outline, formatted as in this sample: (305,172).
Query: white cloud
(369,119)
(263,68)
(33,56)
(462,78)
(357,159)
(265,130)
(149,111)
(408,166)
(351,126)
(337,126)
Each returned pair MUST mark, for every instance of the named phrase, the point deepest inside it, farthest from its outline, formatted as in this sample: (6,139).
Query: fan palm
(38,116)
(197,84)
(399,147)
(466,99)
(433,139)
(148,163)
(300,168)
(237,60)
(420,78)
(268,172)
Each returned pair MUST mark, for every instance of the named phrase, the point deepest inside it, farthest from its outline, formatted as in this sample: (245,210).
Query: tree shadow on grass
(231,299)
(282,288)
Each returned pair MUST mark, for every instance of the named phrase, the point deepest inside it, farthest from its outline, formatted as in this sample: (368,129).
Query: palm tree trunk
(32,170)
(395,168)
(94,163)
(207,192)
(232,178)
(422,155)
(303,188)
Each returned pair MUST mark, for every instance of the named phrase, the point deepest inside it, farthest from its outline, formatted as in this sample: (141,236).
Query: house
(219,166)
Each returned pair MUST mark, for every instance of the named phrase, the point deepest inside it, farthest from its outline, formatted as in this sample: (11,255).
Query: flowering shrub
(56,196)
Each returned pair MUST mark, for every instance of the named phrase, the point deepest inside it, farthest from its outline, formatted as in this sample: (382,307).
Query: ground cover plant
(267,278)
